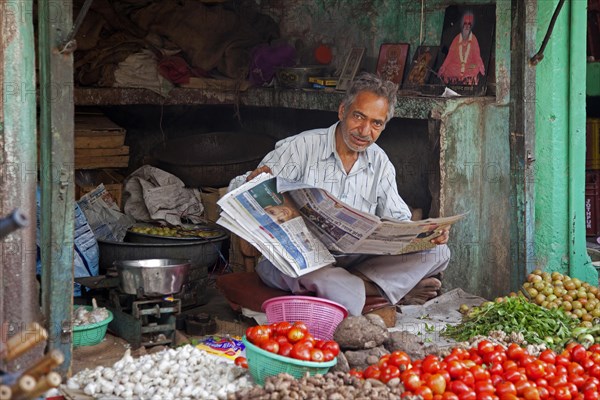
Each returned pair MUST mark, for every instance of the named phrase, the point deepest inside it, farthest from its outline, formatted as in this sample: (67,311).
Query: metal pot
(213,159)
(153,277)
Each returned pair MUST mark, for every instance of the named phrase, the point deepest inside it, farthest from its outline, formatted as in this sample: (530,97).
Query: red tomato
(425,392)
(468,378)
(480,373)
(562,393)
(285,349)
(270,345)
(436,383)
(578,352)
(459,387)
(258,334)
(327,355)
(410,381)
(319,343)
(300,325)
(241,362)
(316,355)
(431,364)
(388,373)
(591,394)
(548,356)
(575,369)
(536,370)
(506,387)
(522,385)
(515,352)
(295,335)
(372,372)
(383,360)
(400,359)
(301,351)
(283,328)
(281,340)
(531,393)
(484,347)
(595,348)
(356,373)
(483,387)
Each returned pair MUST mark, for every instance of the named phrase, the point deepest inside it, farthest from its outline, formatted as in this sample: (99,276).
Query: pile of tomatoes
(489,371)
(292,340)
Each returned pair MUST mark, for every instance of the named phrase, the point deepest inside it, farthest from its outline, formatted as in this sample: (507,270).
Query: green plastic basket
(90,334)
(262,364)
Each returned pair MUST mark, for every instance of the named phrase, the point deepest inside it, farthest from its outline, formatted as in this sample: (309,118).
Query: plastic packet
(229,347)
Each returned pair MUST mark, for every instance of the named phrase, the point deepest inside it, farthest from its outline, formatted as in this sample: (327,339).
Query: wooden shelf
(413,107)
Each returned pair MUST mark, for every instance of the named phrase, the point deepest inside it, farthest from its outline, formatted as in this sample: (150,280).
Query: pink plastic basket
(321,316)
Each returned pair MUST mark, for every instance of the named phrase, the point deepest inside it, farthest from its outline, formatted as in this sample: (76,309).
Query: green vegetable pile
(515,314)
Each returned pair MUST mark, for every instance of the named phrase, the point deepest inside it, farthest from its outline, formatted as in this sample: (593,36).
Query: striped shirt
(310,157)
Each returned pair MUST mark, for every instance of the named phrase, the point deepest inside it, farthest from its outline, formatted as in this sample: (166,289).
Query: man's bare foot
(426,289)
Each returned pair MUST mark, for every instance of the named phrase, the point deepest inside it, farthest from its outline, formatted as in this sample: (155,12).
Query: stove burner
(142,321)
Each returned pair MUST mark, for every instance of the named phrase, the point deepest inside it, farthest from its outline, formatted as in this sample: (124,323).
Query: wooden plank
(101,162)
(102,140)
(98,152)
(95,122)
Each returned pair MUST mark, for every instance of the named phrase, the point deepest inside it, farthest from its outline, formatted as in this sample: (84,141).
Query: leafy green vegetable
(514,314)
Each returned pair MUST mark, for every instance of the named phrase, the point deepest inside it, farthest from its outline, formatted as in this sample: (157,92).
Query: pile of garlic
(182,373)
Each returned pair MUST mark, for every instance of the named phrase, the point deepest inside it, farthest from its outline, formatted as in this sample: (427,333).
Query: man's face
(363,121)
(467,25)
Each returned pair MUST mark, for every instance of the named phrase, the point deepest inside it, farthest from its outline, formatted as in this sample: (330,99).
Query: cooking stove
(141,320)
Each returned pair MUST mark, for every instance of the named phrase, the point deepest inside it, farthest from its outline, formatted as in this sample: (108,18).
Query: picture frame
(464,59)
(420,68)
(350,68)
(392,61)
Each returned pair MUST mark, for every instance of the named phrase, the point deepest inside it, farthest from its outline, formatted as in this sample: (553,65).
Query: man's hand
(443,238)
(258,171)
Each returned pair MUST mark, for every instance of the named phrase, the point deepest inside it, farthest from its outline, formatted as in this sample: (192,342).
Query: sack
(85,247)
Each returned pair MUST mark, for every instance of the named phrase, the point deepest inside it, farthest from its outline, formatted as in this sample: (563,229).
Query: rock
(407,342)
(361,359)
(342,364)
(361,332)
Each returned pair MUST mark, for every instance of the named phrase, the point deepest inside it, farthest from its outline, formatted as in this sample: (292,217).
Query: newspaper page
(267,219)
(296,226)
(347,230)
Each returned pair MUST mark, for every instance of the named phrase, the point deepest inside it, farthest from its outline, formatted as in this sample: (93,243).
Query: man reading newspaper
(345,161)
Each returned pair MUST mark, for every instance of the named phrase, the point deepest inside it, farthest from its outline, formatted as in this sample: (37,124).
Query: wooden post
(56,172)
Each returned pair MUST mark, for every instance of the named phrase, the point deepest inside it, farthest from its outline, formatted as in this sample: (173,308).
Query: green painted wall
(560,132)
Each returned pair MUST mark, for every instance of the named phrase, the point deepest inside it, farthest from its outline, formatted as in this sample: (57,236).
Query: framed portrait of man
(392,61)
(467,42)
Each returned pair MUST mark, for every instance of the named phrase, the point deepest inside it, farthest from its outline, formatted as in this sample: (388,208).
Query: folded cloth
(177,70)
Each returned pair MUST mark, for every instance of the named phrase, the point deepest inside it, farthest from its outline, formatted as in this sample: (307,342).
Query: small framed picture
(350,68)
(391,61)
(421,66)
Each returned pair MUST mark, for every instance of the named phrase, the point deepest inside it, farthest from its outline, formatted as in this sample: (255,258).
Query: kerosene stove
(141,298)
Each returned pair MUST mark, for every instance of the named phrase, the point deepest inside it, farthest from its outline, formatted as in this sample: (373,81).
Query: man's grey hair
(367,82)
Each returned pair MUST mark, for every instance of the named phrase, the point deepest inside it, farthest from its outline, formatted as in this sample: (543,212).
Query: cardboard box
(209,197)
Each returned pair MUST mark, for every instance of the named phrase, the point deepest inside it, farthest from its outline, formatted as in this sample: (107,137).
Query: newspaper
(297,227)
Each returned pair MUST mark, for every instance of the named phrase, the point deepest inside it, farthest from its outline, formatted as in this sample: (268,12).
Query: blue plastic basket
(262,364)
(91,334)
